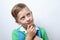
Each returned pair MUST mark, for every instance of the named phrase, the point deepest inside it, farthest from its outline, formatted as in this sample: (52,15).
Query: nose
(27,19)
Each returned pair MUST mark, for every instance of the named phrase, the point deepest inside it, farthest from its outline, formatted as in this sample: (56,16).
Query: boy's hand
(31,32)
(37,38)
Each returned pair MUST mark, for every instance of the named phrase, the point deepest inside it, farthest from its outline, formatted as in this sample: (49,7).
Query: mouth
(29,23)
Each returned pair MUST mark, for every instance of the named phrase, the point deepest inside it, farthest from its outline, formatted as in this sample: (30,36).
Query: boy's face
(25,17)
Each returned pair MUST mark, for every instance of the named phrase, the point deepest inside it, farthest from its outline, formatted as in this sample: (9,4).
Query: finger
(34,30)
(28,27)
(31,27)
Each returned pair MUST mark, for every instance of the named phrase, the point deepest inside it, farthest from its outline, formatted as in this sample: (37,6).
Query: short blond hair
(17,8)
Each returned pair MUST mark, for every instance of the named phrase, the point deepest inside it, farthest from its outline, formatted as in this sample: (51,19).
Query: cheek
(23,21)
(31,18)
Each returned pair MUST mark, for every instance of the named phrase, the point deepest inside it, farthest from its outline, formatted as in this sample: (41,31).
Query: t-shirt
(20,33)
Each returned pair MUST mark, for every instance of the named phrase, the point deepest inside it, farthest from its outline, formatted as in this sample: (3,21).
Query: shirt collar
(22,29)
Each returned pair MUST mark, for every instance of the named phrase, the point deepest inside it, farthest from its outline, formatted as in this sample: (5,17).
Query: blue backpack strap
(38,32)
(21,35)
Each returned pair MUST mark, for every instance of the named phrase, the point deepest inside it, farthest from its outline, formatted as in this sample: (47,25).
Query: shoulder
(15,35)
(18,34)
(14,32)
(42,29)
(43,34)
(19,31)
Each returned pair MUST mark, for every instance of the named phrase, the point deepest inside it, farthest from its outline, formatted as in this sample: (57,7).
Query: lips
(29,23)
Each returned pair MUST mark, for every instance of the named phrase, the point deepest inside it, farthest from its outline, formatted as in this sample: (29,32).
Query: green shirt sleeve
(44,34)
(15,35)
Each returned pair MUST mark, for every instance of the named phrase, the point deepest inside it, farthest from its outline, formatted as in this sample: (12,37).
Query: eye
(28,14)
(22,18)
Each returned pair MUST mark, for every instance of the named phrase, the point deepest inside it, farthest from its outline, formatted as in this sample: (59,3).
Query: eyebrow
(29,12)
(22,17)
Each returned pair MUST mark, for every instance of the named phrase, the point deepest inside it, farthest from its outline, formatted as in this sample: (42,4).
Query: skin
(25,18)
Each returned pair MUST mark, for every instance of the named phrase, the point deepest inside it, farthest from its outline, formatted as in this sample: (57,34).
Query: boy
(28,30)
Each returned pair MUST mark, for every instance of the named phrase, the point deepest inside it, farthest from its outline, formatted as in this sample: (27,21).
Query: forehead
(24,11)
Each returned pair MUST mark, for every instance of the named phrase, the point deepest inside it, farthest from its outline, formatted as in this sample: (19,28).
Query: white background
(46,14)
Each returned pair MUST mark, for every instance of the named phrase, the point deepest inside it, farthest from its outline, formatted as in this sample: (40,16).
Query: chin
(31,24)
